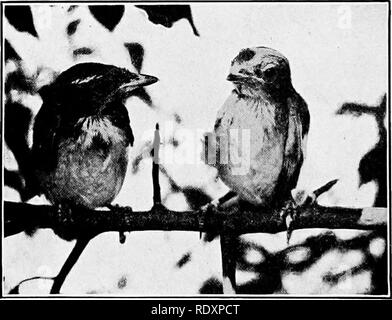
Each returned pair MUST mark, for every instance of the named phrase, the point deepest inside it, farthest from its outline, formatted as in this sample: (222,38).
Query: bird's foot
(288,215)
(290,210)
(301,198)
(120,210)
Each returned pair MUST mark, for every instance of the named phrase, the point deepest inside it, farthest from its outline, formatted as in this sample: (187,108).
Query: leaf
(184,260)
(143,95)
(108,16)
(9,52)
(195,197)
(21,18)
(136,53)
(166,15)
(82,51)
(72,26)
(14,290)
(71,8)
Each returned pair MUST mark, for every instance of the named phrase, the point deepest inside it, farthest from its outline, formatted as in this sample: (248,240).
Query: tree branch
(20,217)
(78,249)
(155,167)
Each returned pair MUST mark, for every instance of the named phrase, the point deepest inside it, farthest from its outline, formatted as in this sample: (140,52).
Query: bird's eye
(269,74)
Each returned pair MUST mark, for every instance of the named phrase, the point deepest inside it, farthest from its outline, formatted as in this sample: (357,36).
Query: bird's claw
(120,210)
(290,213)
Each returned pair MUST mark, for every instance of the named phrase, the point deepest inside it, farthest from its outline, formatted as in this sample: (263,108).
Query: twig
(73,257)
(155,167)
(15,290)
(324,188)
(229,251)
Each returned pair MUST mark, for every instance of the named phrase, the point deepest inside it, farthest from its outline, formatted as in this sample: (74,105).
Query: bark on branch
(20,217)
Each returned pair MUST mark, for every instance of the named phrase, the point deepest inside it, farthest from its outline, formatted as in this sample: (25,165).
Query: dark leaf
(211,286)
(13,180)
(136,53)
(108,16)
(71,8)
(166,15)
(373,165)
(177,118)
(17,120)
(195,197)
(82,51)
(18,81)
(143,95)
(122,282)
(71,29)
(21,18)
(9,52)
(380,270)
(184,260)
(14,290)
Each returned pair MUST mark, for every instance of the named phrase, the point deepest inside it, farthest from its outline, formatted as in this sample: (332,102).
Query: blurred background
(339,63)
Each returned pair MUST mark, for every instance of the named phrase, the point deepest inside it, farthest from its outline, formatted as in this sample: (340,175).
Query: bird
(81,137)
(265,105)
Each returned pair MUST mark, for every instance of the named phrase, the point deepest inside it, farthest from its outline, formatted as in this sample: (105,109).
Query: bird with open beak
(82,134)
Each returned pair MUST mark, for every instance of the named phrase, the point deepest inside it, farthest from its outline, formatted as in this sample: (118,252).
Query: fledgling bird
(82,134)
(265,103)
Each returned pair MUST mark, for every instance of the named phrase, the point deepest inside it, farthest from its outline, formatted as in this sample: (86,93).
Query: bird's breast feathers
(89,170)
(268,134)
(93,128)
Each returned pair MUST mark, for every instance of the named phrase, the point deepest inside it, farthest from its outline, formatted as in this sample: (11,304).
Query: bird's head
(260,70)
(86,88)
(122,82)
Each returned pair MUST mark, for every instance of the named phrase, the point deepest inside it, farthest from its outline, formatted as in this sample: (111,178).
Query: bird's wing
(120,118)
(219,116)
(295,149)
(303,113)
(304,120)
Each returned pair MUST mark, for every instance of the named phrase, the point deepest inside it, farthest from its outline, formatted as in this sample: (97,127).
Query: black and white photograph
(195,149)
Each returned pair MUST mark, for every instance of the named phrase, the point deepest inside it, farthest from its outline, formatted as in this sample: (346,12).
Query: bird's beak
(146,80)
(141,81)
(235,78)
